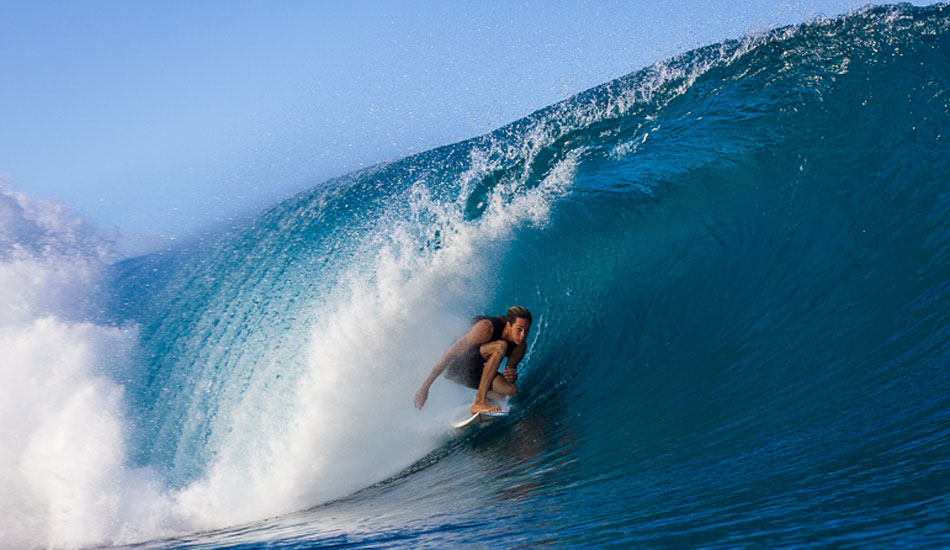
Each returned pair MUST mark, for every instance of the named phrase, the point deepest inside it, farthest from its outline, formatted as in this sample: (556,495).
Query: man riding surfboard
(473,359)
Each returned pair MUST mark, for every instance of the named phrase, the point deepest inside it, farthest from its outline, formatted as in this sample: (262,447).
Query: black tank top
(498,327)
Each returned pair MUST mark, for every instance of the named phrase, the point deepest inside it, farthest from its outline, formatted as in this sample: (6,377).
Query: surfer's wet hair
(517,312)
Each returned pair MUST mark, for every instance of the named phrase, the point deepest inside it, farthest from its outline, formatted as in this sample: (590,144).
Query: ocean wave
(737,262)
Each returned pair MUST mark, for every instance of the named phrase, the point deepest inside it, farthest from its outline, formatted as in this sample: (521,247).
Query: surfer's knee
(504,387)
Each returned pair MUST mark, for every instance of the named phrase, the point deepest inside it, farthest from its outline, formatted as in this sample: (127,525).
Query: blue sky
(160,118)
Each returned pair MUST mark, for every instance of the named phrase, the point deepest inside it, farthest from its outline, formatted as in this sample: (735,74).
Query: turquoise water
(739,267)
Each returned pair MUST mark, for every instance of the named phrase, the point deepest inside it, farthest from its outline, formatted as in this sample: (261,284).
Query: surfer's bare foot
(484,408)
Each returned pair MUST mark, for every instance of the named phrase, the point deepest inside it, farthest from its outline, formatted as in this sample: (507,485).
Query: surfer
(473,359)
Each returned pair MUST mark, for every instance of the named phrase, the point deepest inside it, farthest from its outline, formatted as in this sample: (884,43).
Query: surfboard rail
(480,418)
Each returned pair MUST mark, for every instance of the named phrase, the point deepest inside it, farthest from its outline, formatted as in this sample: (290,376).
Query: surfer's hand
(421,396)
(510,374)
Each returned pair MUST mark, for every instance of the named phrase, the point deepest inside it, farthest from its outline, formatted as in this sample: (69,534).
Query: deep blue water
(738,262)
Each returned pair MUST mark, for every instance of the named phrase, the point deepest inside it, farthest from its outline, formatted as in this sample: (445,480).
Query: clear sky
(163,117)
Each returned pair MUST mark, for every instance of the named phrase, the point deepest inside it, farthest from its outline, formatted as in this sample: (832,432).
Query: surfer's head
(518,312)
(519,323)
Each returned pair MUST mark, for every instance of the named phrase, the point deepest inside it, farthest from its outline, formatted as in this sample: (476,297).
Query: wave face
(739,267)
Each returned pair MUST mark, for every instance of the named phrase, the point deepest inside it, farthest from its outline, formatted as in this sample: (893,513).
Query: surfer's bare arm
(510,373)
(479,334)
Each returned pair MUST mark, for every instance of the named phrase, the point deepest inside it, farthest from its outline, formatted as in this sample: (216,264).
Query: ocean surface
(738,261)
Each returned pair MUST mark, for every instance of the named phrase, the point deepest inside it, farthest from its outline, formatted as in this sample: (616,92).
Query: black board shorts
(466,369)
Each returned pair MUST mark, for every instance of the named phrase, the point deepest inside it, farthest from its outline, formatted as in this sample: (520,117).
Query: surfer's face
(519,330)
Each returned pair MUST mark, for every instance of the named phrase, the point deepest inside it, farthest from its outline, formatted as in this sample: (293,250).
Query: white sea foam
(65,482)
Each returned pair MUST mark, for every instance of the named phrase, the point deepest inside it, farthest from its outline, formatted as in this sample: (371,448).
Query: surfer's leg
(466,369)
(492,395)
(493,353)
(502,387)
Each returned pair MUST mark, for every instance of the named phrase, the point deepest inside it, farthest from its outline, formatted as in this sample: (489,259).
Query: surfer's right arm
(479,334)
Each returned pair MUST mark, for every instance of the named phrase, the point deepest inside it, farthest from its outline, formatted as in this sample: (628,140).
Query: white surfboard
(463,416)
(480,418)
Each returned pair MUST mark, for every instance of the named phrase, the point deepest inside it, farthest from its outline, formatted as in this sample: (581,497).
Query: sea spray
(370,345)
(66,482)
